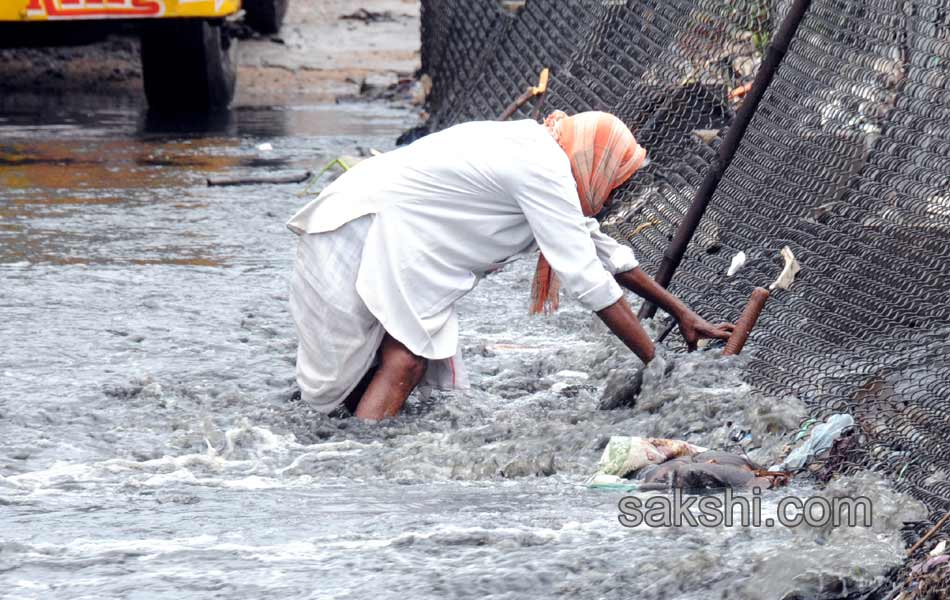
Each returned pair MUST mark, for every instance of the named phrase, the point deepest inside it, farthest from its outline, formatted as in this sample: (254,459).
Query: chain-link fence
(847,161)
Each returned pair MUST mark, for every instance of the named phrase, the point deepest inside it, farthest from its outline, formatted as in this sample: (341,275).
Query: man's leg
(400,371)
(353,400)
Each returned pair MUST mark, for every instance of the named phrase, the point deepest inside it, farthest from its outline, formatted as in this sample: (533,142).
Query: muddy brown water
(149,446)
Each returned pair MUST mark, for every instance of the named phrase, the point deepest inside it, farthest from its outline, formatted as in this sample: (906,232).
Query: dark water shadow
(257,122)
(155,124)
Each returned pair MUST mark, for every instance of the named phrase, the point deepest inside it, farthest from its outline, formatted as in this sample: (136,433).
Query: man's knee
(398,358)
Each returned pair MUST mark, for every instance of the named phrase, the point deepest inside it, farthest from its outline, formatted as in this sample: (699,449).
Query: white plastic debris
(265,147)
(791,269)
(939,548)
(738,261)
(604,479)
(821,440)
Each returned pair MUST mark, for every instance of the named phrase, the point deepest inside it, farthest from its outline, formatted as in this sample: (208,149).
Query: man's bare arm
(625,325)
(692,326)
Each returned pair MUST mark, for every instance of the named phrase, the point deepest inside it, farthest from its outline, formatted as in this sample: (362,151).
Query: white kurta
(454,206)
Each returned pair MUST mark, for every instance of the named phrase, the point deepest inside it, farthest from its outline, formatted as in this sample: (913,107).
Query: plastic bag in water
(822,437)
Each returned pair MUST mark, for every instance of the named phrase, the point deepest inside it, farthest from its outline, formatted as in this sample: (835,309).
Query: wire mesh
(847,162)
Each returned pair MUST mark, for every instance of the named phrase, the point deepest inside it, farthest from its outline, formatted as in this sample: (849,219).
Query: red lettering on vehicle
(84,9)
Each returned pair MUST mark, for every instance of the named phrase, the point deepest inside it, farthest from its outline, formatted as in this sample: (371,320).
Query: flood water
(150,446)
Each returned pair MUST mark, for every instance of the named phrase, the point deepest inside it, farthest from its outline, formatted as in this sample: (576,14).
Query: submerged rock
(622,389)
(623,385)
(542,466)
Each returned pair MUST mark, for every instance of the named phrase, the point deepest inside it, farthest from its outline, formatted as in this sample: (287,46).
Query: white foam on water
(261,460)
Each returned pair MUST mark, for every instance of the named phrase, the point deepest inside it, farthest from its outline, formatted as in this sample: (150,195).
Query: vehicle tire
(265,16)
(188,65)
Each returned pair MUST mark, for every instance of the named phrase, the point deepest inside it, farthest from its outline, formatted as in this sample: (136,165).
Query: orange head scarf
(603,155)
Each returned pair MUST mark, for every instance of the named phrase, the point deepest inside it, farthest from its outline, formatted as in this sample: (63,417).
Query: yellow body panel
(65,10)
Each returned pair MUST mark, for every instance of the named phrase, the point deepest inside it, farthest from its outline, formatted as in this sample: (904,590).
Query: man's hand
(692,326)
(695,328)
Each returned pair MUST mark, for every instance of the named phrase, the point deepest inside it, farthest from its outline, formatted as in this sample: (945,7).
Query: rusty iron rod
(538,111)
(518,103)
(746,321)
(929,534)
(532,91)
(727,149)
